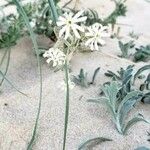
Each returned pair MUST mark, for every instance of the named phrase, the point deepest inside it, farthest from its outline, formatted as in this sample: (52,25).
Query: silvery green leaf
(129,105)
(112,74)
(146,99)
(133,121)
(94,75)
(94,100)
(90,144)
(146,67)
(130,95)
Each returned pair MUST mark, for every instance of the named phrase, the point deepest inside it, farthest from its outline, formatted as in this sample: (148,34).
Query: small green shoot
(125,47)
(82,80)
(134,35)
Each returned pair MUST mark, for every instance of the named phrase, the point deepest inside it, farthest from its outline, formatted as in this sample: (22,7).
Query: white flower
(33,23)
(95,36)
(63,85)
(69,22)
(56,56)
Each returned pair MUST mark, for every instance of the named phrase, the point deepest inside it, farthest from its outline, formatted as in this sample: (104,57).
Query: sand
(86,120)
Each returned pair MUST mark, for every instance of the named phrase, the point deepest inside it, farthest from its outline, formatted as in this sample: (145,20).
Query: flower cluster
(56,56)
(94,34)
(72,26)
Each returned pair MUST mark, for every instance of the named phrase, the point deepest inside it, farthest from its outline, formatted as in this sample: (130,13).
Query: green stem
(53,10)
(67,105)
(33,38)
(7,65)
(3,57)
(4,77)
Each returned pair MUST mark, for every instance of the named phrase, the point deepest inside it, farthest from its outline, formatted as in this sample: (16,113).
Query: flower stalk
(67,104)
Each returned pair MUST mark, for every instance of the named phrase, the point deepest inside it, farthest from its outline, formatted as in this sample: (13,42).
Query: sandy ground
(86,120)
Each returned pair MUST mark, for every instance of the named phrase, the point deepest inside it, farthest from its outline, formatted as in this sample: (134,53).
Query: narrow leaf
(33,38)
(146,67)
(90,144)
(133,121)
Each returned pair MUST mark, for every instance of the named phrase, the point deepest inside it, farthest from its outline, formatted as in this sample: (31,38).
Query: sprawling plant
(127,79)
(124,76)
(141,54)
(120,108)
(14,27)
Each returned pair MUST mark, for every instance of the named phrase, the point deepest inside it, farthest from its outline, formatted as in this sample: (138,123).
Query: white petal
(92,46)
(45,54)
(61,32)
(78,27)
(88,34)
(70,15)
(77,15)
(61,19)
(102,42)
(88,41)
(96,46)
(60,23)
(67,33)
(81,19)
(76,33)
(48,60)
(54,63)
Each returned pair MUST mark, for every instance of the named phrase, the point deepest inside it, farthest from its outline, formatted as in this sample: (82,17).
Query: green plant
(120,108)
(120,10)
(133,35)
(82,80)
(14,26)
(90,144)
(127,79)
(142,53)
(124,76)
(125,48)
